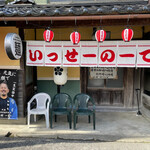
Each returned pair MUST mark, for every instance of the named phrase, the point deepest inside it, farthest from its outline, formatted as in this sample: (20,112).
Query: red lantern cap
(100,35)
(75,37)
(48,35)
(127,35)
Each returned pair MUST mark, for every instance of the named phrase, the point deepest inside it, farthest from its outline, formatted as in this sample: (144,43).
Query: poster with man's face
(8,94)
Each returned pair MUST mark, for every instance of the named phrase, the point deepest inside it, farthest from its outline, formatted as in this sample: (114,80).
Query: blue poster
(8,94)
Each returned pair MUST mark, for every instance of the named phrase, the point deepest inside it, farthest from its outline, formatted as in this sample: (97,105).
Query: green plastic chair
(61,105)
(80,107)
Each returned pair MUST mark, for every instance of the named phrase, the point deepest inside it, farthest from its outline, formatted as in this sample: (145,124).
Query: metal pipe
(68,18)
(137,93)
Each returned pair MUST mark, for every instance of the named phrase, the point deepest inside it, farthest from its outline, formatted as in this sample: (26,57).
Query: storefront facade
(118,92)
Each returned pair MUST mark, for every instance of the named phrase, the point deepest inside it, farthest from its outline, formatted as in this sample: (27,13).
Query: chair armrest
(28,106)
(29,102)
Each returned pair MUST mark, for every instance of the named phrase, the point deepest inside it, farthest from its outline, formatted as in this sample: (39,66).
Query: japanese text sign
(143,54)
(88,54)
(107,55)
(103,73)
(126,54)
(53,54)
(35,53)
(71,55)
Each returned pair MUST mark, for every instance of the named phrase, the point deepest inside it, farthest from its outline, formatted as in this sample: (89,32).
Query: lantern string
(5,22)
(51,23)
(26,20)
(42,26)
(75,24)
(100,22)
(128,21)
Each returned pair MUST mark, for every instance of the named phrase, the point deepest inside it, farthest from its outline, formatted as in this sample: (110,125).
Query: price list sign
(103,73)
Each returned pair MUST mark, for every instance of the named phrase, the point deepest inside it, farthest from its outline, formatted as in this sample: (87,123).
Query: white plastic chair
(41,107)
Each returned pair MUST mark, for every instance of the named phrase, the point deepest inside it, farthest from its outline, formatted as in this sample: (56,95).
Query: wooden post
(128,88)
(58,88)
(21,80)
(83,79)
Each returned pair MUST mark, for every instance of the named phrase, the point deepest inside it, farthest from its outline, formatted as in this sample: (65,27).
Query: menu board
(103,73)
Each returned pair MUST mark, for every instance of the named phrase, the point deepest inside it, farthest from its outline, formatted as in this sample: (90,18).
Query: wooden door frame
(128,87)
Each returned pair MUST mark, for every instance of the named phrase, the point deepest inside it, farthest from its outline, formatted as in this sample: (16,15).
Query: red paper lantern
(127,35)
(48,35)
(75,37)
(100,35)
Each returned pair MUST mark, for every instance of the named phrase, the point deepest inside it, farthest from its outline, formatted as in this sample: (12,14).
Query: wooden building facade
(30,18)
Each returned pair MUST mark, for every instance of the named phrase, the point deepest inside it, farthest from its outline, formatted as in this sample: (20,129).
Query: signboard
(103,73)
(88,54)
(107,55)
(71,55)
(126,54)
(143,54)
(10,77)
(53,54)
(13,46)
(35,53)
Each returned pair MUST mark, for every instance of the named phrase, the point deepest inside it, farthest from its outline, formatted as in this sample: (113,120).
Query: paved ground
(57,144)
(110,127)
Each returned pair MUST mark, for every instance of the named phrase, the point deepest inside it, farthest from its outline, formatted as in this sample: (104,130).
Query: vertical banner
(71,55)
(126,55)
(89,54)
(35,53)
(143,54)
(53,54)
(8,106)
(107,54)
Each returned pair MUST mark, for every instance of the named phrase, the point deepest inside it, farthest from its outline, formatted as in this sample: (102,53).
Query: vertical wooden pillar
(21,80)
(83,79)
(128,87)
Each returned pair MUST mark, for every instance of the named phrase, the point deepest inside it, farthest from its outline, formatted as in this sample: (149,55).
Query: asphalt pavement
(114,131)
(10,143)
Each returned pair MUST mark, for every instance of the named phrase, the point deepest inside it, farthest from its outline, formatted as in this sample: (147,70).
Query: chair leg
(74,120)
(47,120)
(89,119)
(55,118)
(34,118)
(28,119)
(51,120)
(94,121)
(70,120)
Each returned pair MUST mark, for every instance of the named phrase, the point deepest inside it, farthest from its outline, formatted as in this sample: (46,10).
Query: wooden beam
(86,23)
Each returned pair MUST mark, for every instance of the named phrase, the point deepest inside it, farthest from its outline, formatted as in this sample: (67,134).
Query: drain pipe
(137,93)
